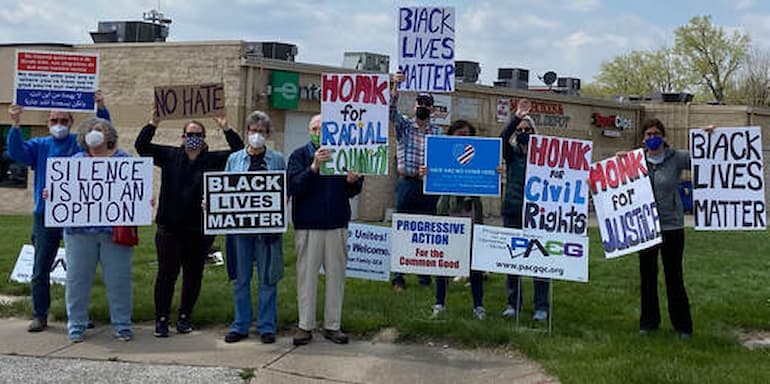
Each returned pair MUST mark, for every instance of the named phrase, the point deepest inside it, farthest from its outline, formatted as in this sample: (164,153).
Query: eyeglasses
(62,121)
(194,134)
(525,130)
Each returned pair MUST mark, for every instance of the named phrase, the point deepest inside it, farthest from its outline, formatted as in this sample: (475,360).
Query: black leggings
(185,250)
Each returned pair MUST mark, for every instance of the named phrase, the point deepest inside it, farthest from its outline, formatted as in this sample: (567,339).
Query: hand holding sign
(99,99)
(15,111)
(221,121)
(352,176)
(154,120)
(322,155)
(523,107)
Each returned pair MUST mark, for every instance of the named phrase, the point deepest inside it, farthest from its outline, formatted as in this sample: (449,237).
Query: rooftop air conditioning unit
(467,71)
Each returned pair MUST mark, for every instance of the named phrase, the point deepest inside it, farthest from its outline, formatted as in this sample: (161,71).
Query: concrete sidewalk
(203,356)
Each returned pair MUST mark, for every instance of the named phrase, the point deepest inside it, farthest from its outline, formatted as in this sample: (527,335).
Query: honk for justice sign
(728,179)
(354,109)
(625,205)
(244,202)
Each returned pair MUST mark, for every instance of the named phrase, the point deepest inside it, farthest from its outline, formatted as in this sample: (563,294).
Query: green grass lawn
(595,337)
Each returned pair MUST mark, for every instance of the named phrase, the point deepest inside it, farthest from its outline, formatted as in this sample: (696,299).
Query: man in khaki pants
(321,212)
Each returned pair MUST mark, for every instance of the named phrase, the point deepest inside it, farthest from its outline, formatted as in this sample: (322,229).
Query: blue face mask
(193,143)
(653,143)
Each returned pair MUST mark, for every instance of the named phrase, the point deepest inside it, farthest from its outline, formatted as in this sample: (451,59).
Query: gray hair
(531,122)
(110,134)
(258,118)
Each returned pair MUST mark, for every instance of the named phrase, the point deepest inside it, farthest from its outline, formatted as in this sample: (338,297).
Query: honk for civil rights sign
(244,202)
(431,245)
(189,101)
(354,109)
(98,191)
(728,179)
(625,205)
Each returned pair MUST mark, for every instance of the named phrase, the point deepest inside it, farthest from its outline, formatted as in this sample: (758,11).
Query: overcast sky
(570,37)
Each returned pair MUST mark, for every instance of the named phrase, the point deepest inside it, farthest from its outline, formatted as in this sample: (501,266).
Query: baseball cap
(425,99)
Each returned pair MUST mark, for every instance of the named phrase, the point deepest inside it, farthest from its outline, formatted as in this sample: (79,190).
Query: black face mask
(422,113)
(523,138)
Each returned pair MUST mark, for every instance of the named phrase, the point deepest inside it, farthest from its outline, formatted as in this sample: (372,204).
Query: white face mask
(94,139)
(59,131)
(256,140)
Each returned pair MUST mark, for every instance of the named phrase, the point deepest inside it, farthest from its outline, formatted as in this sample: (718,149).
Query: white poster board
(22,271)
(625,205)
(728,179)
(55,80)
(98,191)
(426,49)
(517,252)
(431,245)
(368,252)
(355,114)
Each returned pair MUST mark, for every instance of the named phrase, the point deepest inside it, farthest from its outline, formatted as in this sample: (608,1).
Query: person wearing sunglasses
(35,153)
(179,239)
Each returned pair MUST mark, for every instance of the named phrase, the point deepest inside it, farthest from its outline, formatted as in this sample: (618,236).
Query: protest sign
(517,252)
(189,101)
(22,271)
(442,110)
(728,179)
(462,165)
(244,202)
(625,206)
(355,114)
(555,191)
(368,252)
(431,245)
(426,48)
(98,191)
(62,81)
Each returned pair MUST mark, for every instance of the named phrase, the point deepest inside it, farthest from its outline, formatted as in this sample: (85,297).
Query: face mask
(653,143)
(315,139)
(522,138)
(256,140)
(59,131)
(422,113)
(94,139)
(193,143)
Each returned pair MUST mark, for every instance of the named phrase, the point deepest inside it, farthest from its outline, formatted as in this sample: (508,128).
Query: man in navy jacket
(321,212)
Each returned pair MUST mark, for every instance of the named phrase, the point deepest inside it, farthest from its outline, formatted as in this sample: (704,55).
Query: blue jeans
(248,250)
(83,252)
(513,282)
(410,199)
(46,243)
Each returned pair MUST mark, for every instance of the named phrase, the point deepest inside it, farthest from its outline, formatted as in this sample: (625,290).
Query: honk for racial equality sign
(625,205)
(98,191)
(728,179)
(189,101)
(354,109)
(244,202)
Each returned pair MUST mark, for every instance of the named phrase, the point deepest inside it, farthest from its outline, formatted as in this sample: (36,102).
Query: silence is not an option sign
(245,202)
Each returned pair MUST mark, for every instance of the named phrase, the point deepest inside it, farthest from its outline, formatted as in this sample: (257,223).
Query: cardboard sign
(728,179)
(625,205)
(98,191)
(555,190)
(22,271)
(426,48)
(355,113)
(189,101)
(516,252)
(61,81)
(462,165)
(244,202)
(431,245)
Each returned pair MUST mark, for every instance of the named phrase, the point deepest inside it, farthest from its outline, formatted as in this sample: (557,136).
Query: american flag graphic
(467,155)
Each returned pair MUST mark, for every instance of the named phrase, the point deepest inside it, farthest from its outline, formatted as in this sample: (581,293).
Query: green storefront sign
(284,90)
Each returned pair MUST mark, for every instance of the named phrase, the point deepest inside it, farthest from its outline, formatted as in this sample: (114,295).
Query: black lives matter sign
(728,179)
(245,202)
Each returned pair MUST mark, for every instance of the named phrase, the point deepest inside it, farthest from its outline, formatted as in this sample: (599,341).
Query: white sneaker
(437,310)
(509,312)
(540,316)
(480,313)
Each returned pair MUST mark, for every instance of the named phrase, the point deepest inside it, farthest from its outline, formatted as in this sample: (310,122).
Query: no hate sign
(189,101)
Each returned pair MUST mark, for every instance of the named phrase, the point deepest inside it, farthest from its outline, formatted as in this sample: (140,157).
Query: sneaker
(437,310)
(90,325)
(302,337)
(267,338)
(38,324)
(76,336)
(509,312)
(540,315)
(234,337)
(161,327)
(183,324)
(124,335)
(480,313)
(336,337)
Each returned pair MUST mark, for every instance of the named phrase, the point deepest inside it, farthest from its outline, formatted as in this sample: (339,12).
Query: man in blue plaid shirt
(410,135)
